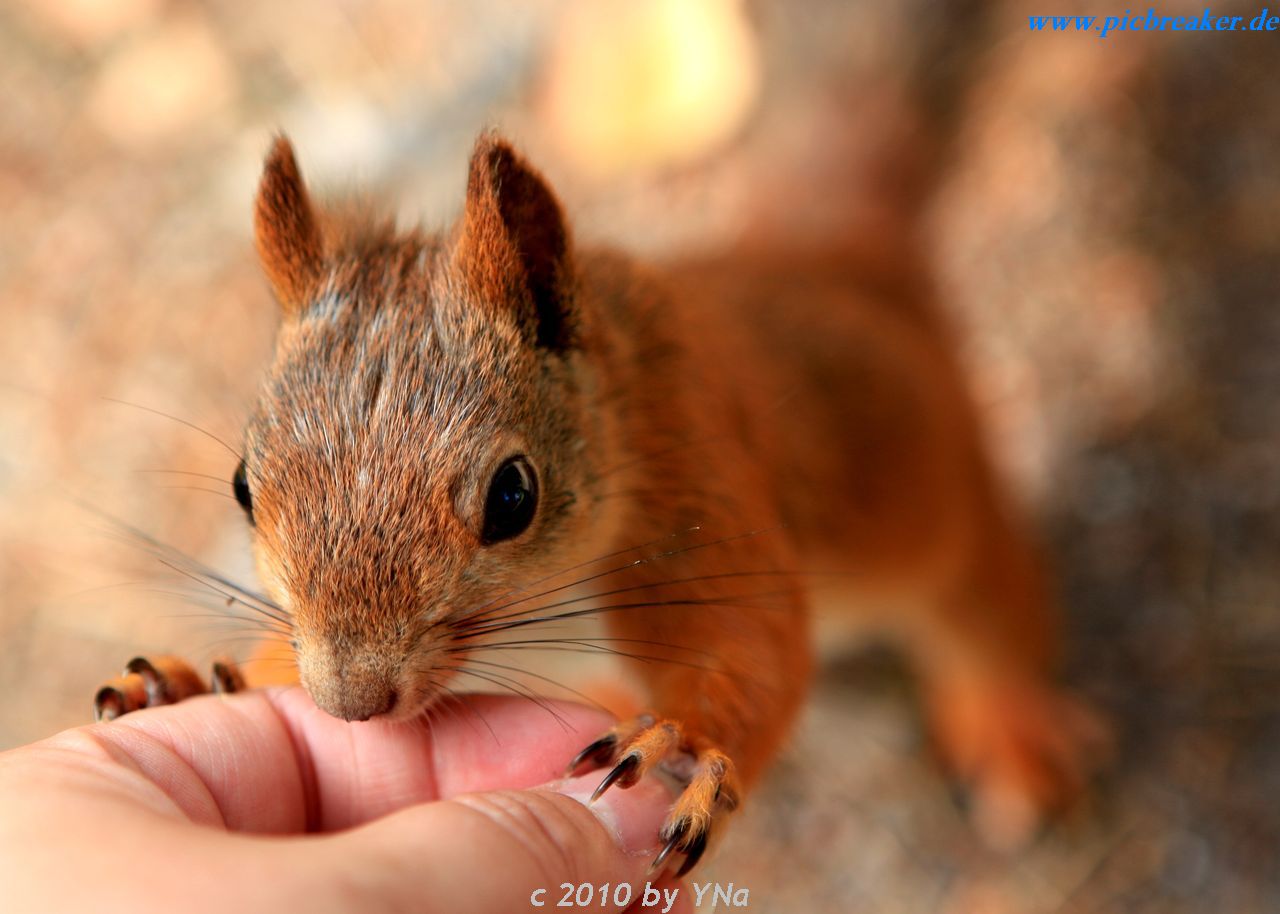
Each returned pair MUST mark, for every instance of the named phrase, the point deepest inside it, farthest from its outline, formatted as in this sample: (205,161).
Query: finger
(270,761)
(490,852)
(362,771)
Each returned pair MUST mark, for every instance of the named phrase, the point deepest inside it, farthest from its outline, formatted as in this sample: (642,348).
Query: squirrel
(462,430)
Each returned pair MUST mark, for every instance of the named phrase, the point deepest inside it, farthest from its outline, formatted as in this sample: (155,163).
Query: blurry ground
(1107,232)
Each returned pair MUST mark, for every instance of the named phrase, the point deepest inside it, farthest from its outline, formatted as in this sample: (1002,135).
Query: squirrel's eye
(240,487)
(512,500)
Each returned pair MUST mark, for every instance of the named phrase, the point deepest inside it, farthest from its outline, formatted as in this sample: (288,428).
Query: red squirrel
(462,432)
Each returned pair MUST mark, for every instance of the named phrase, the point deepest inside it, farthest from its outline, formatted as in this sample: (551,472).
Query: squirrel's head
(423,446)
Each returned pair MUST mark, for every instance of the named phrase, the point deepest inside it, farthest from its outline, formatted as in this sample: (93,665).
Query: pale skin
(260,802)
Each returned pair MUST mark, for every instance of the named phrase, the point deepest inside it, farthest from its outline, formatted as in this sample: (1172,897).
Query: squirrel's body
(822,404)
(704,443)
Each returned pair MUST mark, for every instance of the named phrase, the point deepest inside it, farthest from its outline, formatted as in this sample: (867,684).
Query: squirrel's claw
(226,678)
(597,754)
(627,772)
(709,791)
(605,750)
(165,680)
(693,844)
(119,696)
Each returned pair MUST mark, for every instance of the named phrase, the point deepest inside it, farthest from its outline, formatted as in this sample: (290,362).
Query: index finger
(270,761)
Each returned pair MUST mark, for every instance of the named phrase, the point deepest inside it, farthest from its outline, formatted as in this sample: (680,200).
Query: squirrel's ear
(513,247)
(286,232)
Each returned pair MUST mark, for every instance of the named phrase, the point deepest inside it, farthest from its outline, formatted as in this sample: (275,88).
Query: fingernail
(633,815)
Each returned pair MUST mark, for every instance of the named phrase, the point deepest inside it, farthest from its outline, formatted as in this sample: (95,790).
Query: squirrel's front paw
(710,786)
(147,683)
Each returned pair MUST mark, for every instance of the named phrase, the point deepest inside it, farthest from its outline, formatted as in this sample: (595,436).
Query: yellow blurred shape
(635,85)
(169,81)
(92,22)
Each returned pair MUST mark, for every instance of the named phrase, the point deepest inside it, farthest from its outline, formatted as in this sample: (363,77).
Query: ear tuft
(514,245)
(285,229)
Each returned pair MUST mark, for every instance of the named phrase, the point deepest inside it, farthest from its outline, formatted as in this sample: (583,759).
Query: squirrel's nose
(354,687)
(362,705)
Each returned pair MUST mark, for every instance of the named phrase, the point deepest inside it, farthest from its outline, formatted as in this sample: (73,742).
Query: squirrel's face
(421,449)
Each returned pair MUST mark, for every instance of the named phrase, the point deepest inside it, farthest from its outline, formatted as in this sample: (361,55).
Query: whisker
(569,648)
(217,492)
(441,704)
(564,571)
(239,622)
(475,712)
(522,691)
(279,616)
(618,607)
(283,620)
(223,604)
(634,587)
(276,661)
(159,550)
(199,574)
(190,425)
(539,676)
(629,565)
(610,640)
(206,594)
(234,639)
(209,476)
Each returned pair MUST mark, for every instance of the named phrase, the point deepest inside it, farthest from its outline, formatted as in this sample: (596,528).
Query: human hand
(260,802)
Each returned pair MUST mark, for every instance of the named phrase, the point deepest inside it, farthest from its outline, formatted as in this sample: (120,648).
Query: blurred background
(1102,217)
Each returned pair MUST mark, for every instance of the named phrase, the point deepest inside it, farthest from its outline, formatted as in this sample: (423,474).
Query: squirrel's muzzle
(355,685)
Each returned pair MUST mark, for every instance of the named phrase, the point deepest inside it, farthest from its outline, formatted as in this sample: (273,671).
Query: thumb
(493,851)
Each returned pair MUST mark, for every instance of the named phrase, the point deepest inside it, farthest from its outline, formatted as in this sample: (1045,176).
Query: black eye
(512,500)
(240,486)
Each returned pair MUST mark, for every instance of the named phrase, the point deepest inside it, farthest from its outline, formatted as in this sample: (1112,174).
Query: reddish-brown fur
(806,417)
